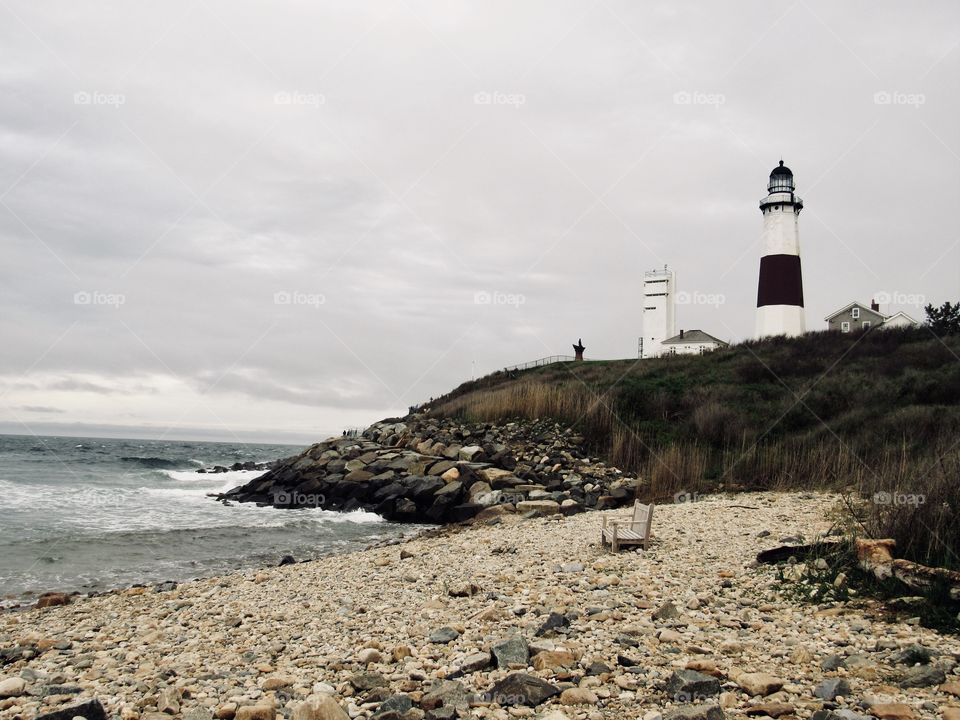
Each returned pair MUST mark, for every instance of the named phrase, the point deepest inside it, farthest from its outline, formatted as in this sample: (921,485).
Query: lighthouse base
(786,320)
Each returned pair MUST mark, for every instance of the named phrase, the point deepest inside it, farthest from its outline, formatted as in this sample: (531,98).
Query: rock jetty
(427,470)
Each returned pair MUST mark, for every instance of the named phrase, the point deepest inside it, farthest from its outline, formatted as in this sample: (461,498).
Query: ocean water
(91,514)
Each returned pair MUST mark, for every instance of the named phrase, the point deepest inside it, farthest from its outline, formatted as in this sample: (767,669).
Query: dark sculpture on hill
(579,348)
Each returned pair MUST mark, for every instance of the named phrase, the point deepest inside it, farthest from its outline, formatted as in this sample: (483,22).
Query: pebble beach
(514,617)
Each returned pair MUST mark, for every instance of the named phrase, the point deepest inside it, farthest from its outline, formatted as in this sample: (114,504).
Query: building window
(844,327)
(855,313)
(866,324)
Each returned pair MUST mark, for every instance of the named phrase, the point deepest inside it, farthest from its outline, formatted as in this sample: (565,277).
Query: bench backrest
(642,517)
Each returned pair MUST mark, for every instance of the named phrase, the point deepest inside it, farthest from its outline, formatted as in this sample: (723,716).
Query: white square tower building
(659,310)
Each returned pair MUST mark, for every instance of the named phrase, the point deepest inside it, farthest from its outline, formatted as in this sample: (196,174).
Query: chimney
(875,306)
(681,334)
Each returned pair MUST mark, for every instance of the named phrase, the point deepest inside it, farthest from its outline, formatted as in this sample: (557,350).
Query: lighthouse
(780,291)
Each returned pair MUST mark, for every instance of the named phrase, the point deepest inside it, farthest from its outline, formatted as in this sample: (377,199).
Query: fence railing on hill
(541,361)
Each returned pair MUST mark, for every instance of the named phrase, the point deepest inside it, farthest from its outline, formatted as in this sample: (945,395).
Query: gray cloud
(431,155)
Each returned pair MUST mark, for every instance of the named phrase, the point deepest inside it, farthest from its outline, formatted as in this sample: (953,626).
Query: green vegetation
(944,320)
(876,413)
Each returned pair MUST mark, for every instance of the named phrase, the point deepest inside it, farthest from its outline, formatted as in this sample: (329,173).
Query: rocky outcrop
(425,470)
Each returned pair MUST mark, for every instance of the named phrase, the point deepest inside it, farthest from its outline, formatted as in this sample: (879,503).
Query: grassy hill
(876,414)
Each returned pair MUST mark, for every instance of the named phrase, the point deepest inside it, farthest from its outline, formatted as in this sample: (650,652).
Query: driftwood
(876,556)
(785,552)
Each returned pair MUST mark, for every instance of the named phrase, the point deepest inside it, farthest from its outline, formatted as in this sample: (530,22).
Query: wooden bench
(632,529)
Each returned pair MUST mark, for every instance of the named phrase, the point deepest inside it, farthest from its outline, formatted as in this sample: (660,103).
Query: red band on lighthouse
(781,281)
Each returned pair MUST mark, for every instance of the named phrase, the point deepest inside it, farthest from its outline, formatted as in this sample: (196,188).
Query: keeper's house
(691,342)
(857,316)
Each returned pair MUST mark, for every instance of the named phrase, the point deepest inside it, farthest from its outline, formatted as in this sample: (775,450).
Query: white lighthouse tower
(780,291)
(659,310)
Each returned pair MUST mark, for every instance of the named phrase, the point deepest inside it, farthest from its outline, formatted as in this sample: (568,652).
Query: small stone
(759,683)
(168,701)
(597,668)
(226,711)
(922,676)
(951,713)
(555,660)
(667,611)
(773,710)
(669,636)
(53,599)
(475,662)
(521,689)
(369,655)
(443,635)
(892,711)
(689,685)
(554,621)
(465,590)
(275,682)
(89,710)
(510,652)
(831,688)
(255,712)
(578,696)
(12,687)
(694,712)
(368,681)
(394,706)
(831,663)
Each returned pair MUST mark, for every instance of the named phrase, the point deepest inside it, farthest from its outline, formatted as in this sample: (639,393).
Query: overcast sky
(286,218)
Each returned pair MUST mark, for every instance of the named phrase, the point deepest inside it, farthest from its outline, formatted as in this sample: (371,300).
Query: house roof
(692,336)
(899,314)
(855,303)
